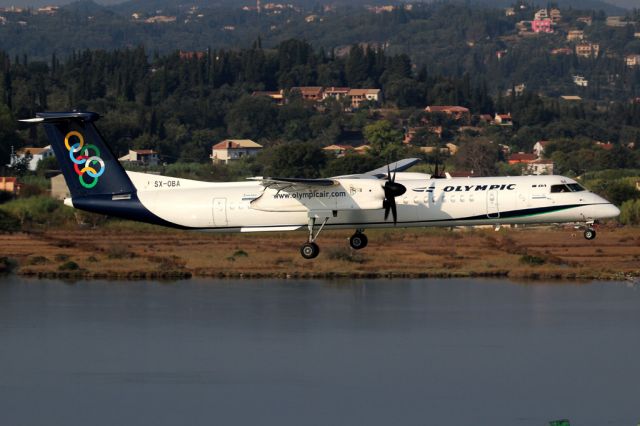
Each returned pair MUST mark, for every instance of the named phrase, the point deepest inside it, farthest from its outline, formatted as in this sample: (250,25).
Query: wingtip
(32,120)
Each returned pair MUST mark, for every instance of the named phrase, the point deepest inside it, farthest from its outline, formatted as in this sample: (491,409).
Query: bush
(345,254)
(630,212)
(117,251)
(38,260)
(69,266)
(8,223)
(7,265)
(39,210)
(529,259)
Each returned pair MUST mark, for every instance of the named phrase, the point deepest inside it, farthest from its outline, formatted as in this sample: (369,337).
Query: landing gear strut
(310,249)
(358,240)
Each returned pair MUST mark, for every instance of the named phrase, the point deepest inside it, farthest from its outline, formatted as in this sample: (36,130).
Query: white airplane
(98,183)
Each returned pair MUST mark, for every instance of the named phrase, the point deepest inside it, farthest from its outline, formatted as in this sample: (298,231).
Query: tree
(383,137)
(479,156)
(252,117)
(301,159)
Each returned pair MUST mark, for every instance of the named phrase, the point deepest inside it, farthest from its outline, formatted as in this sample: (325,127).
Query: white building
(359,96)
(540,167)
(579,80)
(632,60)
(233,149)
(141,157)
(37,154)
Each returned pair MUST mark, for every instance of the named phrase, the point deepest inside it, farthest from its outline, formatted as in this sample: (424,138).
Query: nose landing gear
(589,230)
(589,233)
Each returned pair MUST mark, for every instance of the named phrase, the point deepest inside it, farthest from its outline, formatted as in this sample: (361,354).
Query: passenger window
(559,188)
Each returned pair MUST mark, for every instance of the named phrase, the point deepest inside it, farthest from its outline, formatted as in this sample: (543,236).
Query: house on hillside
(579,80)
(359,96)
(562,51)
(335,93)
(141,157)
(541,14)
(37,155)
(587,20)
(362,149)
(587,50)
(233,149)
(276,96)
(309,93)
(540,167)
(458,113)
(607,146)
(539,26)
(632,60)
(575,35)
(503,119)
(522,158)
(9,184)
(337,150)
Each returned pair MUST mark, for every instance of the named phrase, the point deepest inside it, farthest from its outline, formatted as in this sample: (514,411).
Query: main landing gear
(358,240)
(310,249)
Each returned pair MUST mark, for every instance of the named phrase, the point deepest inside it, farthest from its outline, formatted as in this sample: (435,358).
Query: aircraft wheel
(589,233)
(358,241)
(309,250)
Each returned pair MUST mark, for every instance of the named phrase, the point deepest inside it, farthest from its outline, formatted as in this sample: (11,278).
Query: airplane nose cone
(610,211)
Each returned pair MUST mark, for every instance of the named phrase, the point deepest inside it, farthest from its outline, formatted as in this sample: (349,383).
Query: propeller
(391,191)
(438,174)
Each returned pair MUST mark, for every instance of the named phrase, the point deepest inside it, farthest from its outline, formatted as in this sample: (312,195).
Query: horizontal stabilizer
(51,117)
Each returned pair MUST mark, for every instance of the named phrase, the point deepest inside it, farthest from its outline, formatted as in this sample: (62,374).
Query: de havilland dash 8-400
(384,197)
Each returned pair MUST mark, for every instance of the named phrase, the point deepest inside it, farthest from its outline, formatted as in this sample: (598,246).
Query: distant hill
(609,6)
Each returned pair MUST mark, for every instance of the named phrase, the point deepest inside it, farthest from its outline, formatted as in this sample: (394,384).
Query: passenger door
(220,212)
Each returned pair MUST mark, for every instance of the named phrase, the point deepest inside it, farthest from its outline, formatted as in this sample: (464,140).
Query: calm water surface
(404,352)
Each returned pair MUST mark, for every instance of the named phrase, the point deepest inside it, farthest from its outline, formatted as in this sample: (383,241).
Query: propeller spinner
(391,191)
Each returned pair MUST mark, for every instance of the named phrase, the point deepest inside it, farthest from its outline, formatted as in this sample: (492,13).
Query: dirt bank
(138,252)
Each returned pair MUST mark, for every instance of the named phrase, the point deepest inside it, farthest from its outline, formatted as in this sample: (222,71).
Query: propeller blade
(394,212)
(391,191)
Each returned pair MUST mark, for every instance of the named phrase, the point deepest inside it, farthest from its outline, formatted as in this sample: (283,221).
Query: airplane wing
(397,166)
(293,183)
(280,183)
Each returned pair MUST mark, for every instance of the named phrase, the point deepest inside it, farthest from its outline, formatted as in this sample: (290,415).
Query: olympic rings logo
(86,159)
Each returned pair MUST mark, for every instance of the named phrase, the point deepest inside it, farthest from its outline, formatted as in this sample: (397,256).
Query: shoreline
(124,252)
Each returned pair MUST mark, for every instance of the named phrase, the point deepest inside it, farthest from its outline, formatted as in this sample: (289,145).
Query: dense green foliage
(434,54)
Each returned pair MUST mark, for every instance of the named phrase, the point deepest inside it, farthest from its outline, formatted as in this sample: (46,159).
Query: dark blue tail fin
(88,165)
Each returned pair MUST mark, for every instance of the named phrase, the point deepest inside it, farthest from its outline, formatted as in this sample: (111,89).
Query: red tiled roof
(144,151)
(447,108)
(522,158)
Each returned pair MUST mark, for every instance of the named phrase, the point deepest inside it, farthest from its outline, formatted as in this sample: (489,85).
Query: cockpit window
(570,187)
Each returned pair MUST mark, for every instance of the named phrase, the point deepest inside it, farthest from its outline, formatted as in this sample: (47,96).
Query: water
(404,352)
